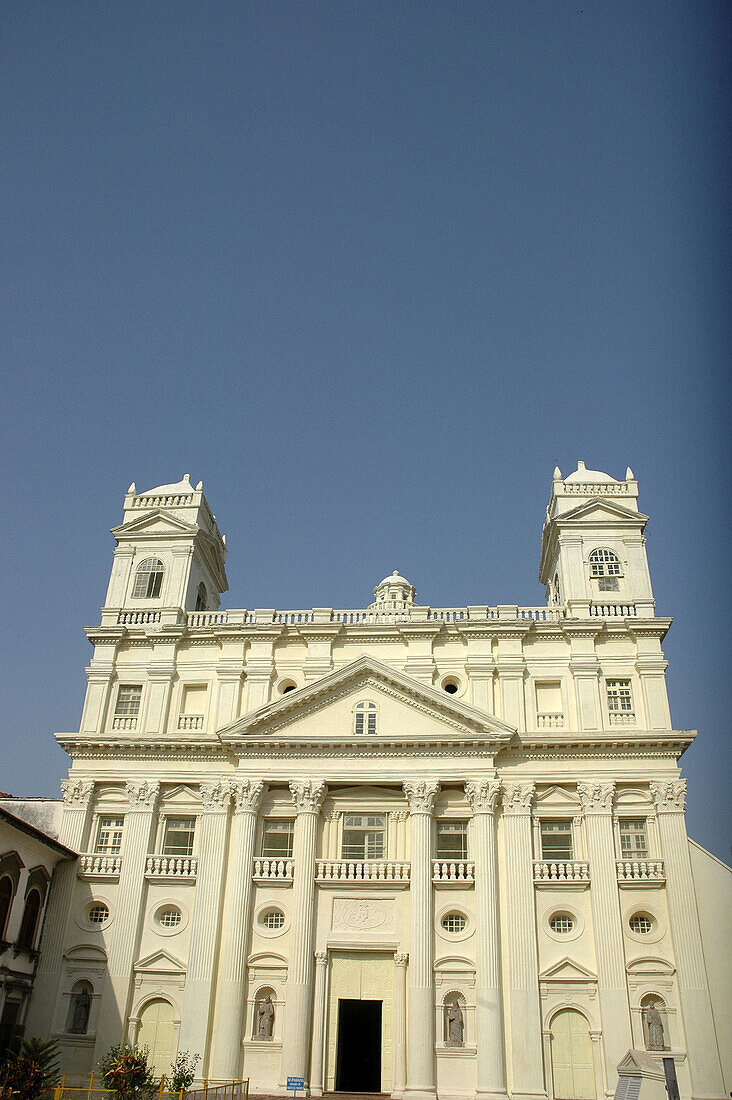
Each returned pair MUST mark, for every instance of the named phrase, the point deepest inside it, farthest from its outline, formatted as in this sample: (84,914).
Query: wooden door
(157,1033)
(573,1071)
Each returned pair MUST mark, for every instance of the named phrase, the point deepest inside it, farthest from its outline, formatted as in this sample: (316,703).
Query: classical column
(124,934)
(704,1068)
(612,986)
(400,1025)
(523,962)
(316,1067)
(235,930)
(491,1074)
(77,796)
(198,995)
(307,794)
(421,794)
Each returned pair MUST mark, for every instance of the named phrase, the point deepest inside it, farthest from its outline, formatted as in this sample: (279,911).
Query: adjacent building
(428,851)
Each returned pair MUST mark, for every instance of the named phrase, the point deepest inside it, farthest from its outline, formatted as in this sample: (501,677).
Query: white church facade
(404,849)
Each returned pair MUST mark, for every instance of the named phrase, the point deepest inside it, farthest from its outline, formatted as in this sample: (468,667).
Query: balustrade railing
(207,618)
(277,870)
(453,870)
(622,718)
(641,870)
(135,618)
(95,863)
(119,723)
(613,610)
(190,722)
(367,870)
(550,721)
(171,866)
(562,870)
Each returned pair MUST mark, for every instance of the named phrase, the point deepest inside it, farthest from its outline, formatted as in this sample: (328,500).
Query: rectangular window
(364,836)
(109,835)
(277,839)
(452,840)
(128,700)
(178,838)
(633,839)
(556,840)
(619,698)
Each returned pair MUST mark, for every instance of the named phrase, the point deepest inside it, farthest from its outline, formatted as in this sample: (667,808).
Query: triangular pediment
(160,962)
(639,1062)
(566,970)
(406,711)
(157,522)
(601,510)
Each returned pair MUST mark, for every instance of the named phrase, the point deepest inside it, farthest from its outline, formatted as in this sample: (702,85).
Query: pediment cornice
(612,508)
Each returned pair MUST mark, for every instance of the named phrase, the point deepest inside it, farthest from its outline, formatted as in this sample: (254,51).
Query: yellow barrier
(90,1090)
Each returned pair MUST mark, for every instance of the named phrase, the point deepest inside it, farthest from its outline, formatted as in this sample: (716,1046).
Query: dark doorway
(358,1063)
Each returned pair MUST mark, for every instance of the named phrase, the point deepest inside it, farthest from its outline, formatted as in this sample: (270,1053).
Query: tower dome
(394,592)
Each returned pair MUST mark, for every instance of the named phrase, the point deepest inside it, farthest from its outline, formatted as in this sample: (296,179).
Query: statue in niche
(265,1018)
(80,1009)
(455,1023)
(654,1023)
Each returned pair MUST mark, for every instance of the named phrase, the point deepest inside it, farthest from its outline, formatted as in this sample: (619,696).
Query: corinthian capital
(142,794)
(669,795)
(77,793)
(596,798)
(517,798)
(308,795)
(215,796)
(482,794)
(247,794)
(421,794)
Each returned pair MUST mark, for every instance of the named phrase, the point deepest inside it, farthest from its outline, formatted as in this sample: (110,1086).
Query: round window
(287,685)
(641,924)
(97,913)
(451,686)
(273,919)
(561,923)
(169,917)
(454,922)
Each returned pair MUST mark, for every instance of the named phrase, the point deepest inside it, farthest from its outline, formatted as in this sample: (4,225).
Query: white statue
(265,1018)
(455,1023)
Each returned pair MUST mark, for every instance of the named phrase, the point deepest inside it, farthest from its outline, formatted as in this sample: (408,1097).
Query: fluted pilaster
(482,795)
(421,794)
(704,1067)
(316,1068)
(400,1024)
(236,929)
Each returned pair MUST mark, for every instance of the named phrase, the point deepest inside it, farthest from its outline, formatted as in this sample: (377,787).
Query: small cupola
(393,593)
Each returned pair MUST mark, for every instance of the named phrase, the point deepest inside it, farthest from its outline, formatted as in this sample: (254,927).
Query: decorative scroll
(77,792)
(517,797)
(596,797)
(669,795)
(421,794)
(482,795)
(215,796)
(142,794)
(308,795)
(247,794)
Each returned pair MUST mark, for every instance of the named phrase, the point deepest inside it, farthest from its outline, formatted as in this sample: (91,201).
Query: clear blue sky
(370,270)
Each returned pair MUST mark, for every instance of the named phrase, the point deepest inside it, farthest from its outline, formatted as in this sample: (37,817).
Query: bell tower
(593,550)
(169,556)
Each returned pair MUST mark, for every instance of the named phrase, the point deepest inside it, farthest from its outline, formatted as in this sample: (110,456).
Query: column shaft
(316,1069)
(399,1077)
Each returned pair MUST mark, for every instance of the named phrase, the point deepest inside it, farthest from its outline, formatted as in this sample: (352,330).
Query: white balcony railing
(613,610)
(179,867)
(99,865)
(454,871)
(190,722)
(119,723)
(622,718)
(137,618)
(273,870)
(206,618)
(559,871)
(361,870)
(641,870)
(550,721)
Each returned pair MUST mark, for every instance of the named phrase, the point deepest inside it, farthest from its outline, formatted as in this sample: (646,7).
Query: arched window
(201,597)
(6,901)
(364,717)
(80,1002)
(28,924)
(148,579)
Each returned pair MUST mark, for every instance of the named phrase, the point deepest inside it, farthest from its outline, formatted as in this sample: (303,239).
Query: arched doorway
(157,1033)
(573,1072)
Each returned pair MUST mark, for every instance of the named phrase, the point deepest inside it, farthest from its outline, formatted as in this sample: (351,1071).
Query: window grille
(619,697)
(452,840)
(148,579)
(454,922)
(556,840)
(97,914)
(179,833)
(604,563)
(278,839)
(109,835)
(365,718)
(364,836)
(633,839)
(562,924)
(128,700)
(170,917)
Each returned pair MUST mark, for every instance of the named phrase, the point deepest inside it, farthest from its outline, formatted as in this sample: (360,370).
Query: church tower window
(364,718)
(148,579)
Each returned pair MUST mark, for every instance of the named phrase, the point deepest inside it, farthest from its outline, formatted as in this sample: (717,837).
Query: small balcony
(554,721)
(453,872)
(273,871)
(99,865)
(376,871)
(174,868)
(190,722)
(641,872)
(120,723)
(622,718)
(567,872)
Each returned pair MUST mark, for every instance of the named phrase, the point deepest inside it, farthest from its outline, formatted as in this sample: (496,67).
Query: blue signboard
(295,1083)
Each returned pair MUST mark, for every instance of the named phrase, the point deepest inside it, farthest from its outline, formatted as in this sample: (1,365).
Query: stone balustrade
(458,872)
(177,867)
(357,870)
(98,865)
(624,718)
(558,871)
(127,723)
(273,870)
(636,871)
(550,721)
(613,610)
(190,722)
(137,618)
(206,618)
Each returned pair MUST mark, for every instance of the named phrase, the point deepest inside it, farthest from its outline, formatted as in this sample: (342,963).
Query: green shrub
(125,1070)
